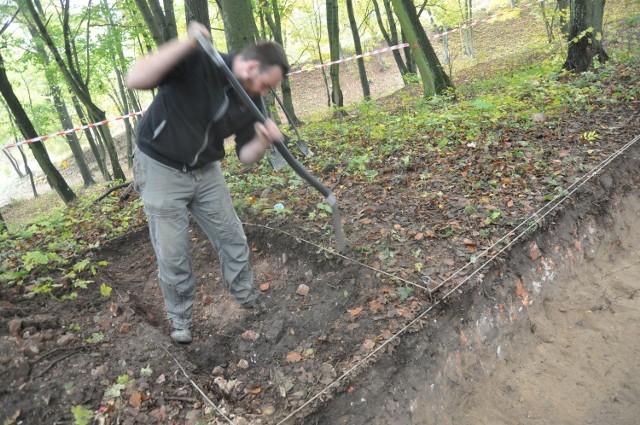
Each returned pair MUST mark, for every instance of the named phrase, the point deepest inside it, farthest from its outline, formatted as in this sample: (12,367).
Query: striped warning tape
(347,59)
(403,45)
(72,130)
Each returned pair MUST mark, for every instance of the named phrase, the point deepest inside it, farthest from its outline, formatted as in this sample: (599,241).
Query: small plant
(405,292)
(95,337)
(105,290)
(81,415)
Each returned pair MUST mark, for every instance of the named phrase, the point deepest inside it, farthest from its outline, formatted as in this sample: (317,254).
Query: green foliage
(52,256)
(105,290)
(81,415)
(405,292)
(95,337)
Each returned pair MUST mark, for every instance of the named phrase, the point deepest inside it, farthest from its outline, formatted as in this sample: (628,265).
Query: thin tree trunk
(75,80)
(55,179)
(275,25)
(434,79)
(396,54)
(585,35)
(161,23)
(239,25)
(13,162)
(197,10)
(95,149)
(287,98)
(364,81)
(119,63)
(333,29)
(27,169)
(63,113)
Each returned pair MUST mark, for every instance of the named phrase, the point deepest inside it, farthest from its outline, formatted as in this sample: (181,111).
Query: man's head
(260,66)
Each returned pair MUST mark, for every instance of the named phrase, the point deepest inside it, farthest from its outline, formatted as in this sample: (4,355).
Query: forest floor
(546,333)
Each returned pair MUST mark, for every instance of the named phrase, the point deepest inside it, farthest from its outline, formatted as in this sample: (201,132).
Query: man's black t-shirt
(194,110)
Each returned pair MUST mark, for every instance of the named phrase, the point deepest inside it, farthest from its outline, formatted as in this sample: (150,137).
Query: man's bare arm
(149,71)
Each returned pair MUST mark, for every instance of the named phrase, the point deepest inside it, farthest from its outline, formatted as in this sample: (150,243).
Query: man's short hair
(268,54)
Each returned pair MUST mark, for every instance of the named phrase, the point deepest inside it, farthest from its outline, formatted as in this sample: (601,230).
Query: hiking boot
(182,336)
(257,305)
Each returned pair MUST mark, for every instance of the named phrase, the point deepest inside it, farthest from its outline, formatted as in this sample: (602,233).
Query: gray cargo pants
(168,196)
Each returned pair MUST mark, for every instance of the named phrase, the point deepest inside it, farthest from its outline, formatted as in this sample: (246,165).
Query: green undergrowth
(405,129)
(56,255)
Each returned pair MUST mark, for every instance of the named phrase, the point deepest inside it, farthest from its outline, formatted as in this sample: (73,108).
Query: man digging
(180,143)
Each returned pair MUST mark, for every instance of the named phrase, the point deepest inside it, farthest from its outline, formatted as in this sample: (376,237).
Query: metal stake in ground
(298,168)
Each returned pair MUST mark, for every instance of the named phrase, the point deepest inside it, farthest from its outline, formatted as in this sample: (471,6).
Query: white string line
(217,409)
(339,255)
(550,205)
(569,191)
(334,384)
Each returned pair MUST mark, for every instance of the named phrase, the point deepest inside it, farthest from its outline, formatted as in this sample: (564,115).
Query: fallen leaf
(430,234)
(468,241)
(264,287)
(369,344)
(160,379)
(160,413)
(375,305)
(405,312)
(534,251)
(255,390)
(293,357)
(135,400)
(250,335)
(463,339)
(419,236)
(356,311)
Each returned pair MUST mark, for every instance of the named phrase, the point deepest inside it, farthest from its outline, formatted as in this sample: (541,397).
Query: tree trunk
(3,224)
(387,37)
(364,81)
(13,162)
(120,63)
(27,169)
(275,24)
(287,99)
(333,29)
(563,19)
(585,35)
(55,179)
(62,112)
(161,23)
(466,10)
(75,80)
(197,10)
(98,154)
(434,79)
(239,25)
(409,60)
